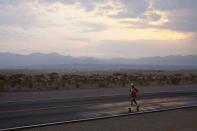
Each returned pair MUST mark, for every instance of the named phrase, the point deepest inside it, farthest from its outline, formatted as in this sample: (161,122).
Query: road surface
(31,113)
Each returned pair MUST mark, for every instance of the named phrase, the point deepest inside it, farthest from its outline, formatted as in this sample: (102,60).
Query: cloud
(15,15)
(132,8)
(174,4)
(88,5)
(10,2)
(185,20)
(178,15)
(104,28)
(181,14)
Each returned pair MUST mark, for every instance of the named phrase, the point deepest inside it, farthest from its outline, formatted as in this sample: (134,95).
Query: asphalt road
(27,113)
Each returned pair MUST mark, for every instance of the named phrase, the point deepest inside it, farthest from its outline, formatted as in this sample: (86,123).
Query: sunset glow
(83,27)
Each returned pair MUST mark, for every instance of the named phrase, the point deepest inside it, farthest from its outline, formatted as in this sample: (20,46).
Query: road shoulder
(180,120)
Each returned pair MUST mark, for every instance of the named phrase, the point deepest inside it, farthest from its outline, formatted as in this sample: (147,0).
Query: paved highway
(28,113)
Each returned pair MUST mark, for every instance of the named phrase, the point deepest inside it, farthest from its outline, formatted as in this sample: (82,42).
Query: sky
(99,28)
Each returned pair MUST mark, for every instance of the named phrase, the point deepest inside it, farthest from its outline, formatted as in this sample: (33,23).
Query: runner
(133,94)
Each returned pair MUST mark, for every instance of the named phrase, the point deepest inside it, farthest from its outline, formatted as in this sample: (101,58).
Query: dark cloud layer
(87,4)
(8,2)
(133,8)
(175,4)
(187,21)
(183,15)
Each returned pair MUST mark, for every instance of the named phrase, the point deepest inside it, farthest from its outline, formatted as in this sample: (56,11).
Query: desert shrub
(193,78)
(56,81)
(1,85)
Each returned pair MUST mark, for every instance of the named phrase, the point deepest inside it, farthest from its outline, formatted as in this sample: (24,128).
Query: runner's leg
(131,101)
(134,100)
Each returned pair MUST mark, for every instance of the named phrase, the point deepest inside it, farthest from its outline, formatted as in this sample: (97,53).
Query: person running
(133,94)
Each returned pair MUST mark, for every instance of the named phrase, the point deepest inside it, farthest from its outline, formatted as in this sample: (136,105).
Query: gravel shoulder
(174,120)
(78,93)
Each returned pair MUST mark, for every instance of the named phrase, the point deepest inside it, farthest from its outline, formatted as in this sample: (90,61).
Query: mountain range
(55,60)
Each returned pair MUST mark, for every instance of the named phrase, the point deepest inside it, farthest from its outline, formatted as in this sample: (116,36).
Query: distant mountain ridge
(34,60)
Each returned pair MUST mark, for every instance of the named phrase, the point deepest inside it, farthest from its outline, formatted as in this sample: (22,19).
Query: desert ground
(44,80)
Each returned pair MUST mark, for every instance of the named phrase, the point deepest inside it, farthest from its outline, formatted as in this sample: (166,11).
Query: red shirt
(133,92)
